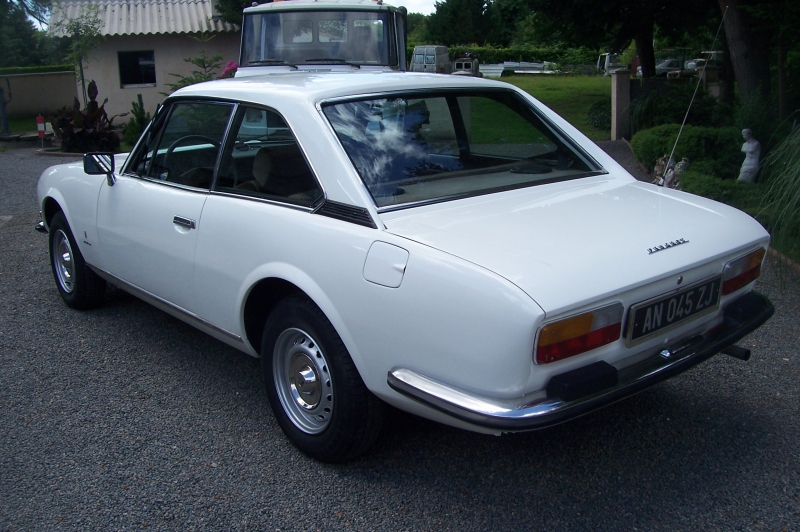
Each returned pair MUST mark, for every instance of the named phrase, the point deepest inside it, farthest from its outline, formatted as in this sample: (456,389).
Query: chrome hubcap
(62,262)
(303,381)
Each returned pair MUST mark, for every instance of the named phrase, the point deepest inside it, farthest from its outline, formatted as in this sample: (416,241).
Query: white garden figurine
(752,151)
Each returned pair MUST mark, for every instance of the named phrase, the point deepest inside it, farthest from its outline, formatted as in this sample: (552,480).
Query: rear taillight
(741,272)
(578,334)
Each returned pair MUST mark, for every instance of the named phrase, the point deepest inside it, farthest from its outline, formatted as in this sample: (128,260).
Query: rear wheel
(79,286)
(314,388)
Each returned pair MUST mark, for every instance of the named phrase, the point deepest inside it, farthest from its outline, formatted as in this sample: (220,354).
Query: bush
(599,115)
(139,120)
(87,130)
(708,186)
(493,55)
(8,71)
(657,108)
(743,196)
(782,175)
(715,150)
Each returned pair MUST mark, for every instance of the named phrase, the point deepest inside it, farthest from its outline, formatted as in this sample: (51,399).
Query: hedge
(8,71)
(713,151)
(494,55)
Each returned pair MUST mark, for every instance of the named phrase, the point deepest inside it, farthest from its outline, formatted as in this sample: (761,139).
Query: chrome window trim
(270,201)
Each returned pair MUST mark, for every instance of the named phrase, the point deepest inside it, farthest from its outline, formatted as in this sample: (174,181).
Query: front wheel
(79,286)
(314,388)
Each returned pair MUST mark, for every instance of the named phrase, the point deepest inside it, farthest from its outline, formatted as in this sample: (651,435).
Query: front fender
(76,194)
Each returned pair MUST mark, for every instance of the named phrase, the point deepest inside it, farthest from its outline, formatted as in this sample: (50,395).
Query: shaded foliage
(18,40)
(599,115)
(715,151)
(205,68)
(670,104)
(231,10)
(84,36)
(460,22)
(614,24)
(495,54)
(782,174)
(139,120)
(35,9)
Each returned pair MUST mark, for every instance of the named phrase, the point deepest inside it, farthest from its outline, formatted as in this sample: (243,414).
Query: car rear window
(433,147)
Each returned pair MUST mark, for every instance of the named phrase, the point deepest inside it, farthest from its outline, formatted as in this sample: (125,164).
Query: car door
(148,220)
(262,195)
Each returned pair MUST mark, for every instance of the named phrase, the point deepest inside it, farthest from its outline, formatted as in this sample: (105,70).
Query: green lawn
(569,96)
(22,124)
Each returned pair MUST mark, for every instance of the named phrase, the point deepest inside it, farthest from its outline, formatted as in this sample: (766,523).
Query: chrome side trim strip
(536,410)
(166,306)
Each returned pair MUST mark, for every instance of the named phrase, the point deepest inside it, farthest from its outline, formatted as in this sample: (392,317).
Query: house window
(137,69)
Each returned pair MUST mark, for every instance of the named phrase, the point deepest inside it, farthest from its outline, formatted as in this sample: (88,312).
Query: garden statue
(752,154)
(673,175)
(3,115)
(659,170)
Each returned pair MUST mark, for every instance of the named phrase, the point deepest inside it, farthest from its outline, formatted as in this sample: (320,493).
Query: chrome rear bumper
(740,318)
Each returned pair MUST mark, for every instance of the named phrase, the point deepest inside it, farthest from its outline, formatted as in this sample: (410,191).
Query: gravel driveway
(124,418)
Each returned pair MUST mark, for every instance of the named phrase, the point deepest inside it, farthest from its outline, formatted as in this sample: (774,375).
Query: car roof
(294,5)
(302,87)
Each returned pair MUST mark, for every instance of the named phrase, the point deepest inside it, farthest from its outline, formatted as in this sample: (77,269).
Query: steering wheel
(184,139)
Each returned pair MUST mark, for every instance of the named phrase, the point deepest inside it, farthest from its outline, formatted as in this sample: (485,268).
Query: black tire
(314,388)
(79,286)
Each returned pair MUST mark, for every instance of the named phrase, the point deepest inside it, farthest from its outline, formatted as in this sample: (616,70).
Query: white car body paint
(480,275)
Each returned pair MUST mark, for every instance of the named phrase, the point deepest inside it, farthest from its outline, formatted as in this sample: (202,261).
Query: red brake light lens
(743,271)
(578,334)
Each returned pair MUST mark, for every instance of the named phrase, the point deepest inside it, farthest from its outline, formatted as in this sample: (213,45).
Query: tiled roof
(141,17)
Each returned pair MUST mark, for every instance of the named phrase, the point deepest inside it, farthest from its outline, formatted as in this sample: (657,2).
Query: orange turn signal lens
(575,335)
(743,271)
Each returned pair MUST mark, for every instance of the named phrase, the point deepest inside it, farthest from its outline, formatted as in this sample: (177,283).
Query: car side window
(184,149)
(262,159)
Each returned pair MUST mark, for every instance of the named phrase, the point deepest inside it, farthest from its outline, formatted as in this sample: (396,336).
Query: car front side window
(183,149)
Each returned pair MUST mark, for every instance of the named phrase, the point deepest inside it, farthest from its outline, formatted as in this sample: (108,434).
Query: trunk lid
(567,244)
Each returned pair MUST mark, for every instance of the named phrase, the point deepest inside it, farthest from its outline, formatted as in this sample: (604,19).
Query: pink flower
(229,70)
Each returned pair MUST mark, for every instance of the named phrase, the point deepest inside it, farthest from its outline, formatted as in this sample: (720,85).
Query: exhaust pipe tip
(737,352)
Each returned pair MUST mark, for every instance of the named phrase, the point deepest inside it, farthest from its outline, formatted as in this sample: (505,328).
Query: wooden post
(620,104)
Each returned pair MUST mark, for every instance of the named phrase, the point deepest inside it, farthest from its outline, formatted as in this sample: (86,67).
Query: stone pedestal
(620,104)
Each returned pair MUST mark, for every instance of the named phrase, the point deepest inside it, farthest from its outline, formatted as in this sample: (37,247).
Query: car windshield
(432,147)
(321,37)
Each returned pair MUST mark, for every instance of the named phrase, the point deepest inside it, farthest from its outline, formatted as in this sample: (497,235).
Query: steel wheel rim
(303,381)
(63,262)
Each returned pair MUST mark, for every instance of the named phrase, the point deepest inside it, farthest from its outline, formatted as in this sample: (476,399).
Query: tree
(760,35)
(417,29)
(459,22)
(205,68)
(36,9)
(749,47)
(231,10)
(18,40)
(84,35)
(613,24)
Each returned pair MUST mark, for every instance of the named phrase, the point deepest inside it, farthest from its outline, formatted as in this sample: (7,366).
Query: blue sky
(415,6)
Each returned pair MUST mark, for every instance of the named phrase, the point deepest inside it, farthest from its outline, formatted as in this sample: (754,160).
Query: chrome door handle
(184,222)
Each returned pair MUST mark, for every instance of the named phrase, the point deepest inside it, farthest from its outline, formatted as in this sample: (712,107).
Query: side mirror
(100,163)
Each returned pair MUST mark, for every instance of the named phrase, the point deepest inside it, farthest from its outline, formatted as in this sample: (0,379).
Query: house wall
(170,50)
(34,94)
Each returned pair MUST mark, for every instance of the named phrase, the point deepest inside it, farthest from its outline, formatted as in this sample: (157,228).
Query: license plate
(666,312)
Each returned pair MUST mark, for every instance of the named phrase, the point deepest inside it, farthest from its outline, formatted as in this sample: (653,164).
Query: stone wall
(35,94)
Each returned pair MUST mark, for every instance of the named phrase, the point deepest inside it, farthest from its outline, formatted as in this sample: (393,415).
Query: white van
(430,58)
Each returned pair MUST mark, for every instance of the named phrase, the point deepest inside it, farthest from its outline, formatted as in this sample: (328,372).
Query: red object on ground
(40,126)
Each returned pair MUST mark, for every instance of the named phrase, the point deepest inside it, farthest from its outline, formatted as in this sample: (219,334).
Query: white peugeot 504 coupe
(443,244)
